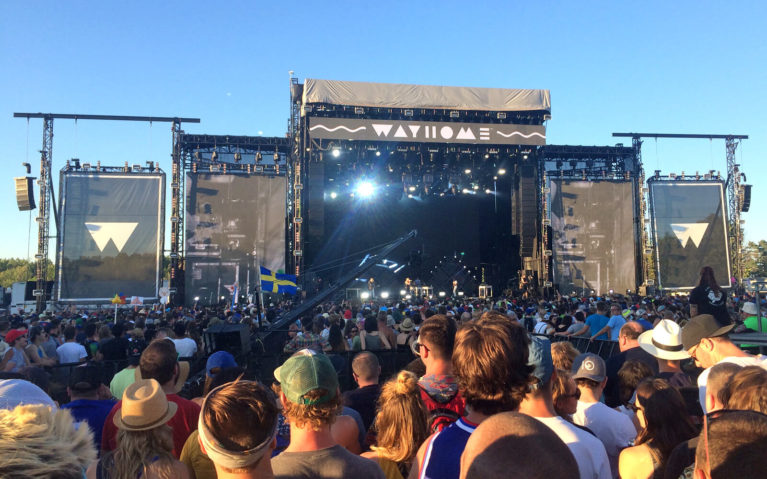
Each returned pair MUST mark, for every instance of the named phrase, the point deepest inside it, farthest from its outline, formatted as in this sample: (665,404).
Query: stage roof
(394,95)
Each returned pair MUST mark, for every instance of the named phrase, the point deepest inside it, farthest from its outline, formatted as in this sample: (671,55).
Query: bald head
(631,330)
(365,365)
(538,451)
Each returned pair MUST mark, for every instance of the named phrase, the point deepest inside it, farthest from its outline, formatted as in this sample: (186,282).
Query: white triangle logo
(689,231)
(382,130)
(117,232)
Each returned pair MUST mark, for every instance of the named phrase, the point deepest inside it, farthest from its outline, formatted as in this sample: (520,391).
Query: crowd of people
(495,388)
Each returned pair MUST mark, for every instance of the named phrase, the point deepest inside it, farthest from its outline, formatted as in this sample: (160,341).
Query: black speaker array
(525,208)
(25,196)
(746,198)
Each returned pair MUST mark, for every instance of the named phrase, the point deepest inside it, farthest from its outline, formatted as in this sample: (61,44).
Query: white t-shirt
(615,430)
(759,360)
(71,353)
(541,327)
(589,451)
(185,347)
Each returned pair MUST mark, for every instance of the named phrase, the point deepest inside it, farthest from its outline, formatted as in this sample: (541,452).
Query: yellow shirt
(193,457)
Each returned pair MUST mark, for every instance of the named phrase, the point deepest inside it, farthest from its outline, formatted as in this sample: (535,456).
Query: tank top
(19,360)
(443,454)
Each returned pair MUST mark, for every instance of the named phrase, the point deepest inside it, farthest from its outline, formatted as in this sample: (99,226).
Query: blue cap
(221,360)
(539,357)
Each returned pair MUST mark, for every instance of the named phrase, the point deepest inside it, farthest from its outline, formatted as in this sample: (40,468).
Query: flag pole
(259,292)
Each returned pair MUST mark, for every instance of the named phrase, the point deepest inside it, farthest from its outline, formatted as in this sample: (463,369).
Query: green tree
(755,259)
(15,270)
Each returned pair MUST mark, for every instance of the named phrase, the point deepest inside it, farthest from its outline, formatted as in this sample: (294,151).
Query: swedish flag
(277,283)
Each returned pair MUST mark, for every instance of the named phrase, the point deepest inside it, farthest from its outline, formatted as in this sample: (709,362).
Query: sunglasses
(416,347)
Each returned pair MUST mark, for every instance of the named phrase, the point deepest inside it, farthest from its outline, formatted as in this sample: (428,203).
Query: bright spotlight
(333,194)
(364,295)
(488,191)
(336,153)
(402,292)
(385,294)
(407,296)
(467,171)
(366,189)
(460,293)
(378,153)
(412,188)
(441,294)
(466,191)
(196,298)
(501,171)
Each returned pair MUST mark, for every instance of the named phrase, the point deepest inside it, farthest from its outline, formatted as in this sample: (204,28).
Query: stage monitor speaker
(746,199)
(25,195)
(234,338)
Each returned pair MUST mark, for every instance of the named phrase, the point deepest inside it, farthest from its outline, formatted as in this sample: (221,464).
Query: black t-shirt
(363,400)
(614,365)
(711,302)
(115,349)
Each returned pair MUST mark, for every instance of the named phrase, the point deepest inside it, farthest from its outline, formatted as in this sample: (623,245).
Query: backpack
(442,415)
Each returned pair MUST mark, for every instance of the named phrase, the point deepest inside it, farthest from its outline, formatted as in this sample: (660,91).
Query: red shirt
(182,423)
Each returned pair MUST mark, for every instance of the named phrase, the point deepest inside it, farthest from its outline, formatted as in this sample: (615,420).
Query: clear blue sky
(675,67)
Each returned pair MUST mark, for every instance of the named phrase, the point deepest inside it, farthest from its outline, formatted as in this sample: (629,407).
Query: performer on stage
(407,284)
(372,287)
(455,287)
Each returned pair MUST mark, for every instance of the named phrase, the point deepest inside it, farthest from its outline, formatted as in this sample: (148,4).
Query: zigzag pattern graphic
(340,127)
(520,134)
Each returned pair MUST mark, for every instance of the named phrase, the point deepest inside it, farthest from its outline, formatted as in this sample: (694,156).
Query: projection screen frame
(651,182)
(631,183)
(158,175)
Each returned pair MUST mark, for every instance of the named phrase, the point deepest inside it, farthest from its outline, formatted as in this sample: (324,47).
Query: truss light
(333,195)
(501,172)
(385,295)
(467,171)
(336,152)
(408,296)
(364,295)
(365,189)
(441,294)
(378,153)
(402,292)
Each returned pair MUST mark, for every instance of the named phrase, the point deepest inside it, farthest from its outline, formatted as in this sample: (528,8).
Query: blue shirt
(442,459)
(92,411)
(597,322)
(615,323)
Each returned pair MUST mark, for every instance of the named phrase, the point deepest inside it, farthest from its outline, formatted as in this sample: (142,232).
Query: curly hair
(490,361)
(402,422)
(312,416)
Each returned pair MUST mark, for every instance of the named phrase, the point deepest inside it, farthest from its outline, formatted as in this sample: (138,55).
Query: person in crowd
(159,362)
(351,330)
(401,426)
(385,329)
(587,450)
(544,325)
(732,446)
(309,339)
(665,343)
(664,425)
(749,315)
(614,324)
(237,429)
(709,298)
(490,360)
(216,363)
(365,371)
(682,457)
(91,342)
(15,359)
(595,323)
(577,326)
(35,350)
(86,391)
(124,378)
(71,351)
(407,334)
(370,339)
(748,390)
(186,346)
(615,430)
(145,440)
(37,439)
(706,341)
(563,354)
(565,395)
(52,341)
(511,444)
(629,376)
(336,340)
(628,343)
(114,348)
(439,388)
(137,342)
(311,400)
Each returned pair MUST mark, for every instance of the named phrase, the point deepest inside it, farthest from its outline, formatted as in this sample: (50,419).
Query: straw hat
(664,341)
(406,326)
(144,406)
(183,375)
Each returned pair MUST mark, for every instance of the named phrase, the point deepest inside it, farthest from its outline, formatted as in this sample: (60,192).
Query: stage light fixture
(385,295)
(365,189)
(402,292)
(378,153)
(488,191)
(333,195)
(442,294)
(336,152)
(412,188)
(364,295)
(467,171)
(454,114)
(501,172)
(408,112)
(460,293)
(408,296)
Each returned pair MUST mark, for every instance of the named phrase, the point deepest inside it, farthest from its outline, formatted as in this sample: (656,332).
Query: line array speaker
(25,195)
(746,199)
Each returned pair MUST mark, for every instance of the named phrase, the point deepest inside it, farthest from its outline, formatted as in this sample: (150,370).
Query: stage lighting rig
(365,189)
(336,152)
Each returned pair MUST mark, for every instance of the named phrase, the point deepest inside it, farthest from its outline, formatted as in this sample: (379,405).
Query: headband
(223,457)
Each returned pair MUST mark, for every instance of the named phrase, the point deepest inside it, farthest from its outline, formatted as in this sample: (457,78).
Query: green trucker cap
(306,371)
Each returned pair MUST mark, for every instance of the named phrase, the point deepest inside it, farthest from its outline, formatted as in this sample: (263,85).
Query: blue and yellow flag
(277,283)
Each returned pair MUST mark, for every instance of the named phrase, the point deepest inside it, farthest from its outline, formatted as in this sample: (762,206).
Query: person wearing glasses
(706,341)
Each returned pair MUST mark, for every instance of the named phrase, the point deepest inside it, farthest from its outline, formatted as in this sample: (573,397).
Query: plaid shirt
(307,341)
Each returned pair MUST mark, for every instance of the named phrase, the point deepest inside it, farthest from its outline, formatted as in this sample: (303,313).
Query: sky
(652,66)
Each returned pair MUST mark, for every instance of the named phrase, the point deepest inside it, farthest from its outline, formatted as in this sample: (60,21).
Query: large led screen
(111,235)
(689,224)
(234,223)
(593,236)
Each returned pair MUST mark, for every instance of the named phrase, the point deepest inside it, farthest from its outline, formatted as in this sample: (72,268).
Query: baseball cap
(84,378)
(539,357)
(702,326)
(589,366)
(220,360)
(306,371)
(14,334)
(750,308)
